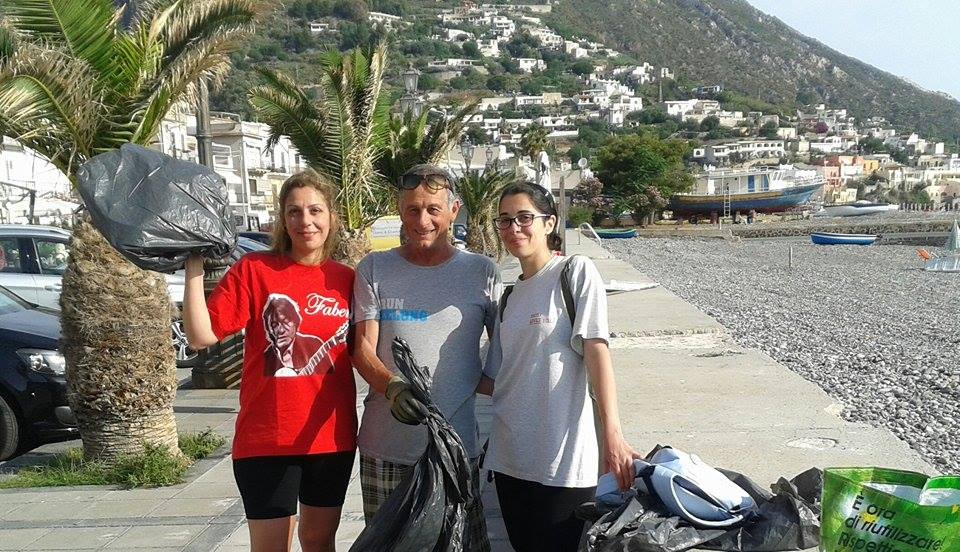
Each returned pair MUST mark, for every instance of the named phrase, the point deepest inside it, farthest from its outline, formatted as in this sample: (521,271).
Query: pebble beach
(866,324)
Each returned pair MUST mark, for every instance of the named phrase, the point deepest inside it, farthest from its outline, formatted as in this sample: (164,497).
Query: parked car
(262,237)
(32,261)
(248,244)
(33,391)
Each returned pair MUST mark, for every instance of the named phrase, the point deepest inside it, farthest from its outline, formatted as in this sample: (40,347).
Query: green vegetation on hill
(763,64)
(728,42)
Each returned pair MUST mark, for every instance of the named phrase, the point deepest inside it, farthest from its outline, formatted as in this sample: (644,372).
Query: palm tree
(347,134)
(534,140)
(479,193)
(341,134)
(79,78)
(411,141)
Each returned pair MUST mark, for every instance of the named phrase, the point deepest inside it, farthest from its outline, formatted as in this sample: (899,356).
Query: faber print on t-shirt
(292,353)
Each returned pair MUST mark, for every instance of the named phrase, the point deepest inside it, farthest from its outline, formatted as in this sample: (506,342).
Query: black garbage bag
(786,519)
(427,511)
(156,210)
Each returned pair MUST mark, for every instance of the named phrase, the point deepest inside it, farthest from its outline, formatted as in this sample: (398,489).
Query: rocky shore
(865,323)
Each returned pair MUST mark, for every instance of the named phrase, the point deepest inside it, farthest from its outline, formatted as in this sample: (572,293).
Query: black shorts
(270,486)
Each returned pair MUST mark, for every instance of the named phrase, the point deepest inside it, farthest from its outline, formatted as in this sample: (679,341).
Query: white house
(529,65)
(317,27)
(489,47)
(502,26)
(680,108)
(721,150)
(547,38)
(666,73)
(385,19)
(573,48)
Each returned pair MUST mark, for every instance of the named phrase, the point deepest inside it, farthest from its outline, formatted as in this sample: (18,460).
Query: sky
(915,39)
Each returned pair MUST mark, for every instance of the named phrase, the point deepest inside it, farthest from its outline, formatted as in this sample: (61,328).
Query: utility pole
(204,138)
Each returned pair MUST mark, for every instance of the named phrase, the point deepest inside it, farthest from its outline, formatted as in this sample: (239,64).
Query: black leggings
(539,517)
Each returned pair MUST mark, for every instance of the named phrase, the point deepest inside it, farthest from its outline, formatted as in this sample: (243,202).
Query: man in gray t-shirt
(439,300)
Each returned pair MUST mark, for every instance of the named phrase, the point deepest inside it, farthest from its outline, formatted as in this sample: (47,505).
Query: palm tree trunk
(121,373)
(353,246)
(475,238)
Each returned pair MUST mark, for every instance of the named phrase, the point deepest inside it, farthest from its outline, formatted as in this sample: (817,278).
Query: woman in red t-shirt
(296,431)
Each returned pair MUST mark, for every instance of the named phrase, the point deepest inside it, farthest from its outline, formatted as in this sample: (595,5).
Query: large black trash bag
(787,519)
(156,210)
(427,511)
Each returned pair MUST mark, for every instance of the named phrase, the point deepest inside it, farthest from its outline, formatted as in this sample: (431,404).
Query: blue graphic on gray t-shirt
(402,315)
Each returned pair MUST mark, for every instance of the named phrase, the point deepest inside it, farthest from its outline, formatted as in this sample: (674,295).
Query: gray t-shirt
(441,312)
(543,428)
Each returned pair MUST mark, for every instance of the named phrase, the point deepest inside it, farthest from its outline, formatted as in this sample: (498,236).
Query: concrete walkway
(681,381)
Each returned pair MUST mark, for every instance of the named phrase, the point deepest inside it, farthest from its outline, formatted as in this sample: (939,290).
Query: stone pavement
(681,381)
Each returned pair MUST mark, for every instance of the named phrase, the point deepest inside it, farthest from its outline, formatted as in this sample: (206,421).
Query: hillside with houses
(537,83)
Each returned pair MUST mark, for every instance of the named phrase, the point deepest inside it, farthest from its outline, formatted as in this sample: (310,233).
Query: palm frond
(83,28)
(46,103)
(184,23)
(9,36)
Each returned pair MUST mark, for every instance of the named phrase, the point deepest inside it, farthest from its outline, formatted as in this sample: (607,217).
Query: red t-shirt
(297,393)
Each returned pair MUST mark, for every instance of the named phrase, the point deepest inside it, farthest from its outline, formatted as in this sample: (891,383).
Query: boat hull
(774,201)
(853,210)
(616,234)
(830,238)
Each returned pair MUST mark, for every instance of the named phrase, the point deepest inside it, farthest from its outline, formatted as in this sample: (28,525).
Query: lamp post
(409,101)
(467,149)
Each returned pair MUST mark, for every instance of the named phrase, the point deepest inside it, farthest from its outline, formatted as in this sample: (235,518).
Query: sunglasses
(434,182)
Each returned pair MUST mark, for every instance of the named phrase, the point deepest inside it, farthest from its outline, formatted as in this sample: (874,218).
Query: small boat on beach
(855,209)
(617,234)
(832,238)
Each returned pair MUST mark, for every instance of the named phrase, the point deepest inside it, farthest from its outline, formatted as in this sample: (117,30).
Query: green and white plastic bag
(884,510)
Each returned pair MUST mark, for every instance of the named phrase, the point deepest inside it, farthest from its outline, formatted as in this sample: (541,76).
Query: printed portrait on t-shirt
(290,352)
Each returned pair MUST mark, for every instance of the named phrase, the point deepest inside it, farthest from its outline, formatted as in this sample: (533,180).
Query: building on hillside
(529,65)
(547,38)
(319,27)
(707,91)
(573,49)
(501,26)
(719,152)
(489,47)
(494,103)
(666,73)
(388,21)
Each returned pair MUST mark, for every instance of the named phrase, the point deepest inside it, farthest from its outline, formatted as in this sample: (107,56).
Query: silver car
(32,261)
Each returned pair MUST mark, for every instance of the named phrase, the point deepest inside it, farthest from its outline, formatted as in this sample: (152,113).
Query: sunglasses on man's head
(433,181)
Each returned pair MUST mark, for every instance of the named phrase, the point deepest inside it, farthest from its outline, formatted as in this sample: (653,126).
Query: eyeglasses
(433,181)
(523,220)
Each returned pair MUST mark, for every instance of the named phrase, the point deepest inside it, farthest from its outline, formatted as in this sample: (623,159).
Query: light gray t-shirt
(543,428)
(441,312)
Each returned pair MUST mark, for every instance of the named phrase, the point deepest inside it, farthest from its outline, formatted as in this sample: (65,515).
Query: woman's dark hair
(543,201)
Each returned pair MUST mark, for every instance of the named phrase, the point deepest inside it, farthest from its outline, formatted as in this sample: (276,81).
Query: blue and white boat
(832,238)
(764,190)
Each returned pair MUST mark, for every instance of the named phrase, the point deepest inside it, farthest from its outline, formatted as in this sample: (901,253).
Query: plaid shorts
(378,478)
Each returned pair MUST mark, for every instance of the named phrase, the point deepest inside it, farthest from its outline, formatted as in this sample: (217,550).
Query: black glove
(403,405)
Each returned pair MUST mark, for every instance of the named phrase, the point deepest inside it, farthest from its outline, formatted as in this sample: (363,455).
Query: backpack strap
(507,290)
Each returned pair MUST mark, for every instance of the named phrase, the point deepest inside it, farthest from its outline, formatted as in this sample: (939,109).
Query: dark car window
(10,257)
(10,302)
(52,256)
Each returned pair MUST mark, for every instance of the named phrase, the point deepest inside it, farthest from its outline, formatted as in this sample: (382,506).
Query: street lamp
(467,149)
(410,79)
(409,101)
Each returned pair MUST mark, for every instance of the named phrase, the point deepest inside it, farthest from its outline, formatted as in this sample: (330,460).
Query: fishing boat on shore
(833,238)
(855,209)
(763,190)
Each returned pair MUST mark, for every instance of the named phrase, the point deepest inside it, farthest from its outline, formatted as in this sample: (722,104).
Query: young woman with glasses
(543,442)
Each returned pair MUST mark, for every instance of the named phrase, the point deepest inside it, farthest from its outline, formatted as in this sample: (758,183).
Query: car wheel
(186,357)
(9,430)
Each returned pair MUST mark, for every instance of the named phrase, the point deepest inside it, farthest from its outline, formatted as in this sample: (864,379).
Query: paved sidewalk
(681,381)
